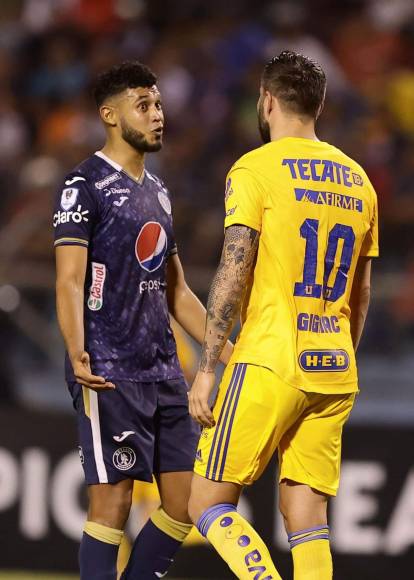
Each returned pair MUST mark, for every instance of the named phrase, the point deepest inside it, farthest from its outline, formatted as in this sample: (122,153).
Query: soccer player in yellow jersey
(301,229)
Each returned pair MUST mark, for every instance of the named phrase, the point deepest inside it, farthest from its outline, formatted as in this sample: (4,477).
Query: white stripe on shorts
(96,437)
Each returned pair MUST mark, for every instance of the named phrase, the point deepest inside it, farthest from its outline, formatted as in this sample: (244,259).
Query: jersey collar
(119,167)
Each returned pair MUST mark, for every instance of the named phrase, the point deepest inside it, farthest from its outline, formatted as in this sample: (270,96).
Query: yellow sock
(177,530)
(311,554)
(237,543)
(124,553)
(103,533)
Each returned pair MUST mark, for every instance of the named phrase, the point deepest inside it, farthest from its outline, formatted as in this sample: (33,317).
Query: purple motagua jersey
(127,227)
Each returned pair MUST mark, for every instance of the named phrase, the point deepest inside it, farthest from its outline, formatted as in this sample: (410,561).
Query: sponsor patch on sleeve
(69,197)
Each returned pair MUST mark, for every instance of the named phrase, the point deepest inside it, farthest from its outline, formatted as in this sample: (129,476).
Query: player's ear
(268,103)
(108,115)
(321,106)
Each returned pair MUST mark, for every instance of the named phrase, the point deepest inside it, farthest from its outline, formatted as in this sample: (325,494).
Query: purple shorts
(135,430)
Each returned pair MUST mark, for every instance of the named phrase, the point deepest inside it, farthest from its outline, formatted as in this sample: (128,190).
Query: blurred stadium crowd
(208,56)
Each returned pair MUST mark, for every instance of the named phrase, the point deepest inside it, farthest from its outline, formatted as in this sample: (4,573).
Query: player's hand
(198,398)
(83,374)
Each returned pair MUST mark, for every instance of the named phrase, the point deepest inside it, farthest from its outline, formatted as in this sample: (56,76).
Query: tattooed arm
(223,307)
(186,308)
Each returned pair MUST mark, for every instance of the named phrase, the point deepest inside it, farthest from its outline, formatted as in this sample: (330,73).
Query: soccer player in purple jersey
(118,277)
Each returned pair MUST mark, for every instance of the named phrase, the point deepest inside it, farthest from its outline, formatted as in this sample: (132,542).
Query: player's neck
(131,161)
(293,127)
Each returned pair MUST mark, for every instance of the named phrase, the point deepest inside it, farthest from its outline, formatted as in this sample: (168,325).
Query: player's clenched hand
(198,398)
(83,374)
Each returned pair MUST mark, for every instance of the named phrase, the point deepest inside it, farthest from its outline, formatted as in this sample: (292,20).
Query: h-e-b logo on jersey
(331,360)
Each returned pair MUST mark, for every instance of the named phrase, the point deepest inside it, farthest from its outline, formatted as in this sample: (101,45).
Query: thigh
(310,452)
(109,504)
(301,506)
(176,434)
(253,410)
(174,488)
(116,431)
(206,493)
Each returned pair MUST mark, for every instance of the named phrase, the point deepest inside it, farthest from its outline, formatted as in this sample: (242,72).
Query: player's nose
(157,116)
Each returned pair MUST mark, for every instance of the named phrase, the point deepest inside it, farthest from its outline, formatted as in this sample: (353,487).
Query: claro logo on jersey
(95,300)
(151,246)
(77,216)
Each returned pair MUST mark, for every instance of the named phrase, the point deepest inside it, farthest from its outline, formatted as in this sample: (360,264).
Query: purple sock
(97,560)
(152,554)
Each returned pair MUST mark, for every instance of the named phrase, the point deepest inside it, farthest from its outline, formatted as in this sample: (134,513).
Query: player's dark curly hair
(297,81)
(128,75)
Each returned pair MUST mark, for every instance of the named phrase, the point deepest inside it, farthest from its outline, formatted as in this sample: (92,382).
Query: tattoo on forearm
(227,289)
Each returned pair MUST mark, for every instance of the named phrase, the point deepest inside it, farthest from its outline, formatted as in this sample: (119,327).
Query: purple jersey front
(127,227)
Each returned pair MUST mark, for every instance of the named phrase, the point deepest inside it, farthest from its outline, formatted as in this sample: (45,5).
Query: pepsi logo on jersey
(151,246)
(150,286)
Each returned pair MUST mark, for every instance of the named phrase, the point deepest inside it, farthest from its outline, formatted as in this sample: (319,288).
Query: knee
(178,510)
(283,508)
(302,509)
(122,504)
(112,508)
(288,510)
(195,509)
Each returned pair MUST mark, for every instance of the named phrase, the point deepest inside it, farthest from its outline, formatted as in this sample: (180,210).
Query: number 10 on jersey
(308,287)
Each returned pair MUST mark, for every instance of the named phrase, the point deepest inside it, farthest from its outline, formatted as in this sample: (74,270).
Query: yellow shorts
(257,413)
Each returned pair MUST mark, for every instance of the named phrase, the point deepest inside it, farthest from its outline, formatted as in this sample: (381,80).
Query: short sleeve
(370,247)
(244,199)
(173,249)
(164,197)
(75,213)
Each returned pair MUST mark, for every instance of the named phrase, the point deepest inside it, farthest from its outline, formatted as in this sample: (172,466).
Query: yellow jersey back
(316,212)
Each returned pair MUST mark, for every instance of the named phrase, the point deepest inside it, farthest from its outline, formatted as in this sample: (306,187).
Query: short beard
(137,140)
(264,127)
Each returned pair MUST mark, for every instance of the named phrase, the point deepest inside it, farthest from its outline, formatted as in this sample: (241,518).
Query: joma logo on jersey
(95,300)
(77,216)
(324,360)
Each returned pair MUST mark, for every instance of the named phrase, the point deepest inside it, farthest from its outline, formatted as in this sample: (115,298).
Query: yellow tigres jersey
(316,212)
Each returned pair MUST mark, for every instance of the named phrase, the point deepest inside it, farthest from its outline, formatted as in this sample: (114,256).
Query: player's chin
(154,144)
